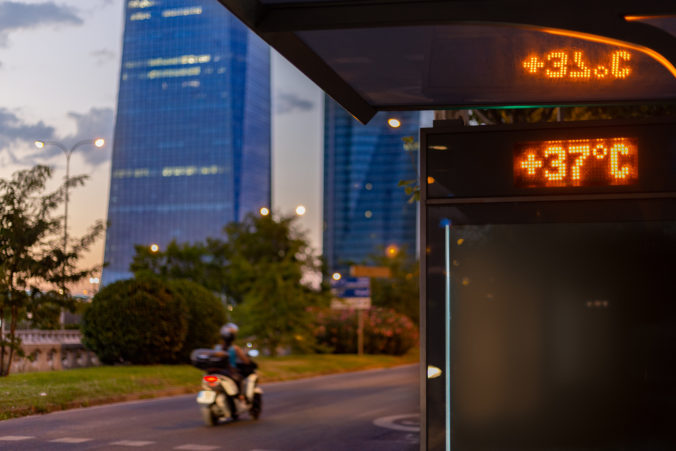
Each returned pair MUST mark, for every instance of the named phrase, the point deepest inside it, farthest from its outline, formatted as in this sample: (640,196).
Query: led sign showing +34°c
(576,162)
(573,65)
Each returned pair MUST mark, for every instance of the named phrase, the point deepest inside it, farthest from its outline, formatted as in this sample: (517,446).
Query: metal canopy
(375,55)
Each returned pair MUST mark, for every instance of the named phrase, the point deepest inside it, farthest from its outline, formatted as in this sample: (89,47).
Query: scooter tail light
(211,380)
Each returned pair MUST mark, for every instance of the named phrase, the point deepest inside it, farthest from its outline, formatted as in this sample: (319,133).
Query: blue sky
(59,69)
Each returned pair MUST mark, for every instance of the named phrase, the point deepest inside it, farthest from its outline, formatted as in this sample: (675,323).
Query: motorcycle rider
(235,354)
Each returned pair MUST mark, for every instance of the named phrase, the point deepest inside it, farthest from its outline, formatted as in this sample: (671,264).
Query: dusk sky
(59,69)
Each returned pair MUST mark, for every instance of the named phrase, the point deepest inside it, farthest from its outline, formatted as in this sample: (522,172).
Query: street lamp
(392,250)
(97,142)
(154,248)
(300,210)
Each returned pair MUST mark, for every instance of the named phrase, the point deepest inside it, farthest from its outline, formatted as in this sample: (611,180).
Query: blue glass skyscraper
(365,210)
(192,135)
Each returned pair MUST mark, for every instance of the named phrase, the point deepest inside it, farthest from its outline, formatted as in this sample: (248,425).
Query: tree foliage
(267,260)
(35,269)
(138,321)
(400,292)
(205,316)
(260,267)
(385,331)
(200,262)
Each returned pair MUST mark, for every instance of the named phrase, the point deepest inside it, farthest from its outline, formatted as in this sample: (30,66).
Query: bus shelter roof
(372,55)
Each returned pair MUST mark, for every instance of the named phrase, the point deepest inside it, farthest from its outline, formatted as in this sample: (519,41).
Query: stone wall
(50,350)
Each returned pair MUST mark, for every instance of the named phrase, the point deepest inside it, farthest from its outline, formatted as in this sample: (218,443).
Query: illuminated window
(179,60)
(126,173)
(140,4)
(177,171)
(139,16)
(167,73)
(182,11)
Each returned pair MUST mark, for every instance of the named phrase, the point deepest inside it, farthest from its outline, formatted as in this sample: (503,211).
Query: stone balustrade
(49,350)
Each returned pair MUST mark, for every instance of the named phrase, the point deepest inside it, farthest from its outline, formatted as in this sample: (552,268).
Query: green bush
(385,331)
(206,315)
(138,321)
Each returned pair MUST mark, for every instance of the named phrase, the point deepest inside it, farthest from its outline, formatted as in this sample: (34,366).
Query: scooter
(221,397)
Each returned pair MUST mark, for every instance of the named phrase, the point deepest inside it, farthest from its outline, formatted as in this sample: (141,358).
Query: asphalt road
(368,410)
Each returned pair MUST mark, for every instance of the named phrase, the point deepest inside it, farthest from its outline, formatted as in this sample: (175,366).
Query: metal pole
(360,332)
(65,218)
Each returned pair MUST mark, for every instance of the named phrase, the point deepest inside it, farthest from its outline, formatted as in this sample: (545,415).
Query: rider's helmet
(229,332)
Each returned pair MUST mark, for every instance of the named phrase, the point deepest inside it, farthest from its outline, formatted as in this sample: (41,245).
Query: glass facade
(365,210)
(192,135)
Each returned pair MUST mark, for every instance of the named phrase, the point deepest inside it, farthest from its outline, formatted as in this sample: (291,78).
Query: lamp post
(97,142)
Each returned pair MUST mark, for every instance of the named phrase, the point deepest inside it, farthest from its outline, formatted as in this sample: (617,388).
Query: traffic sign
(351,293)
(351,303)
(370,271)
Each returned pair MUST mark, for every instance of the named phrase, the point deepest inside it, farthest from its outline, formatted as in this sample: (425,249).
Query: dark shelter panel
(550,307)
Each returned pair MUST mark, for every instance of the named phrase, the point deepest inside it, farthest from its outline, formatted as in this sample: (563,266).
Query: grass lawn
(29,393)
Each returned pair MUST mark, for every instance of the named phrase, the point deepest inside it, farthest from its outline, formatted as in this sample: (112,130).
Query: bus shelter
(547,250)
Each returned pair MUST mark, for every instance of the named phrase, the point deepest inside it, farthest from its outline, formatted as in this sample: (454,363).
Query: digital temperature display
(566,64)
(576,162)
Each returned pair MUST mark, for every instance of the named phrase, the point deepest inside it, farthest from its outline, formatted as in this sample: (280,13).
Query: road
(368,410)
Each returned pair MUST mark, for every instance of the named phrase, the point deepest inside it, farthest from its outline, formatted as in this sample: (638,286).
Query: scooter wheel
(210,419)
(256,406)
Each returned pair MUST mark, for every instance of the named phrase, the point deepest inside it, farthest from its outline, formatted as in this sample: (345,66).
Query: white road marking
(391,422)
(71,440)
(15,438)
(192,447)
(136,443)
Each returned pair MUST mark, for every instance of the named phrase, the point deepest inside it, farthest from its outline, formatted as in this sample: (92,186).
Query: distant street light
(300,210)
(392,250)
(97,142)
(154,248)
(394,122)
(336,276)
(264,211)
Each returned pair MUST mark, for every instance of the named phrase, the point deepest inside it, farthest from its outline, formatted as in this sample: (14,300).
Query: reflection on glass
(564,339)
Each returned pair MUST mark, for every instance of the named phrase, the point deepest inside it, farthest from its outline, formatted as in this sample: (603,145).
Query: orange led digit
(559,61)
(567,64)
(576,162)
(582,70)
(583,150)
(619,57)
(558,163)
(616,171)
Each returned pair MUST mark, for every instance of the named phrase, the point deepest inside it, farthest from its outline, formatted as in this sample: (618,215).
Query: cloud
(286,102)
(96,123)
(14,131)
(102,56)
(16,16)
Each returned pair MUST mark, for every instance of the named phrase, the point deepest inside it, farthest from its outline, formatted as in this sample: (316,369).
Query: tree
(33,261)
(200,262)
(139,321)
(401,291)
(205,317)
(267,260)
(260,267)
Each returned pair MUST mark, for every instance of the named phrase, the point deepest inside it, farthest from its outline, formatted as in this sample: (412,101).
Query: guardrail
(50,350)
